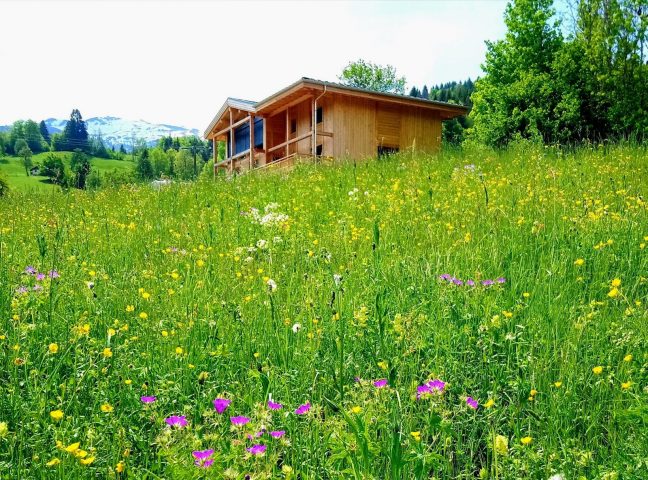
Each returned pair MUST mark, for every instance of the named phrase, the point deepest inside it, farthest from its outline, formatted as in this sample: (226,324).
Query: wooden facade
(311,118)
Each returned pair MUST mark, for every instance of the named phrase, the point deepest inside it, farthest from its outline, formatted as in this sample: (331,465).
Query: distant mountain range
(117,131)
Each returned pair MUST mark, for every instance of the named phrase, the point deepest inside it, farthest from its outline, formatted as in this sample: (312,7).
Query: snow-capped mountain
(118,131)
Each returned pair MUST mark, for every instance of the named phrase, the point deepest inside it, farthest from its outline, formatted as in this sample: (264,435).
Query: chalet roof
(448,110)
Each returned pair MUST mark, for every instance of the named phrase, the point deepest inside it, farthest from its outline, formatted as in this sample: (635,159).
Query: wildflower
(178,350)
(526,440)
(274,406)
(616,282)
(432,387)
(337,278)
(490,403)
(143,315)
(286,470)
(257,449)
(130,308)
(272,285)
(627,358)
(53,348)
(557,384)
(277,433)
(626,385)
(106,408)
(87,461)
(30,270)
(597,370)
(120,467)
(73,447)
(579,262)
(526,294)
(203,458)
(53,274)
(380,383)
(416,436)
(40,276)
(357,409)
(239,420)
(296,327)
(53,462)
(4,429)
(202,376)
(613,293)
(302,409)
(221,404)
(472,403)
(107,352)
(57,415)
(176,421)
(501,444)
(383,365)
(148,399)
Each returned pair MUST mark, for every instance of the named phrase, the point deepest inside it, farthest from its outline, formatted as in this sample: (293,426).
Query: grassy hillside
(471,315)
(12,167)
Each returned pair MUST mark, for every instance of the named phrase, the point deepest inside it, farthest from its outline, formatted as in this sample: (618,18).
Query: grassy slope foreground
(406,328)
(13,168)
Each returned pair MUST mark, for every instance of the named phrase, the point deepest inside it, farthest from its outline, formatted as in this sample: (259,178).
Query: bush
(4,185)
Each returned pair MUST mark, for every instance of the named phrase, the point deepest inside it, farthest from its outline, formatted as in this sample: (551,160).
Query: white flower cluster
(270,217)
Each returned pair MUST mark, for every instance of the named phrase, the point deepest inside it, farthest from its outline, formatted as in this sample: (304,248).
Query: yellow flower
(143,315)
(357,409)
(526,440)
(416,436)
(4,429)
(130,308)
(73,447)
(613,293)
(87,461)
(597,370)
(56,415)
(53,462)
(107,408)
(146,295)
(107,352)
(128,381)
(616,282)
(111,332)
(579,262)
(501,445)
(383,365)
(626,385)
(557,384)
(200,263)
(526,294)
(627,358)
(120,467)
(53,348)
(175,275)
(490,403)
(178,350)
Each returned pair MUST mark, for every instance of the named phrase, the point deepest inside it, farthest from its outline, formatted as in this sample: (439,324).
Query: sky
(176,62)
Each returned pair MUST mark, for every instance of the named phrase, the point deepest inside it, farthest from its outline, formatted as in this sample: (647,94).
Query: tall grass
(171,294)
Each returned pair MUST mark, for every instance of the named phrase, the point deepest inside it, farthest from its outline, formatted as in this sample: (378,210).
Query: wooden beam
(215,154)
(287,129)
(290,142)
(291,104)
(265,140)
(313,128)
(231,142)
(234,125)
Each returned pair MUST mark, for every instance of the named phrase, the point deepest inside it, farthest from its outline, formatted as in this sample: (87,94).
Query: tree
(183,165)
(362,74)
(97,146)
(26,155)
(415,92)
(44,132)
(160,162)
(80,166)
(424,93)
(33,136)
(75,133)
(144,169)
(54,168)
(517,97)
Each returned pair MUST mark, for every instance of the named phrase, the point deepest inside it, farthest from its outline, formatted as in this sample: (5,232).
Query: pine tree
(75,134)
(424,93)
(44,132)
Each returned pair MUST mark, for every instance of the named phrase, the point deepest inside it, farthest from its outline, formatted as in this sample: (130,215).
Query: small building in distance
(323,119)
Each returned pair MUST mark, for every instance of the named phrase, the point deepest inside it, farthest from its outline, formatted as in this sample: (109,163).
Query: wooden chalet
(312,118)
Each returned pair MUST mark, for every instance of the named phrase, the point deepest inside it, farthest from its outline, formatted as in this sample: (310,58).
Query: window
(318,150)
(319,115)
(293,126)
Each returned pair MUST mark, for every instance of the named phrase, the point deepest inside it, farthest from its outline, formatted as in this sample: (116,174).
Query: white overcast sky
(175,62)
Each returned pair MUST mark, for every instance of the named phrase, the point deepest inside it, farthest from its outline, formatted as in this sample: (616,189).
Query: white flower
(277,240)
(261,244)
(337,278)
(557,476)
(272,285)
(296,327)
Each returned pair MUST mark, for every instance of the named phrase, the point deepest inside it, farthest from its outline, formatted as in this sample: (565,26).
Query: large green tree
(75,134)
(363,74)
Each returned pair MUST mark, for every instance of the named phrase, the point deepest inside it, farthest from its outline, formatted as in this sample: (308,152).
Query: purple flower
(487,283)
(202,458)
(256,435)
(277,433)
(53,274)
(432,387)
(176,421)
(456,281)
(37,288)
(444,276)
(380,383)
(221,404)
(274,406)
(40,276)
(30,270)
(303,408)
(257,449)
(22,289)
(472,403)
(470,283)
(501,280)
(239,420)
(357,379)
(150,399)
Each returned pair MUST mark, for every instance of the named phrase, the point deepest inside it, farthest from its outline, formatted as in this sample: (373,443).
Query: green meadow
(12,168)
(474,314)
